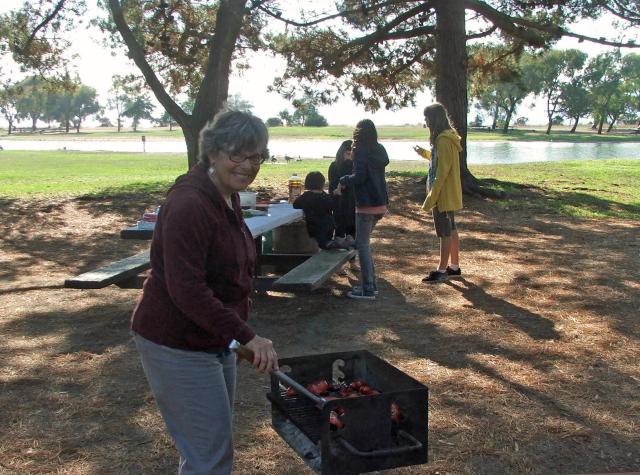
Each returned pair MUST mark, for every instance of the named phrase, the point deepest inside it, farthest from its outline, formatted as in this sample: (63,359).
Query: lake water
(479,152)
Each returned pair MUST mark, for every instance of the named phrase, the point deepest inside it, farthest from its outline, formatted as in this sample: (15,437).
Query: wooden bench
(314,271)
(123,273)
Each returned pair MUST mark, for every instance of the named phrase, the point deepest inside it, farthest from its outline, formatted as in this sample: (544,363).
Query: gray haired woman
(196,297)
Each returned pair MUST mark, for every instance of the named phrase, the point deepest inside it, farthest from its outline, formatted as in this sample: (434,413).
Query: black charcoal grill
(369,440)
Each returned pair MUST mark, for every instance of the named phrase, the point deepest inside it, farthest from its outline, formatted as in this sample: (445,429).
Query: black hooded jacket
(368,176)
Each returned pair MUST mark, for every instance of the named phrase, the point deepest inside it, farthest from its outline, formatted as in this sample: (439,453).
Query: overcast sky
(96,64)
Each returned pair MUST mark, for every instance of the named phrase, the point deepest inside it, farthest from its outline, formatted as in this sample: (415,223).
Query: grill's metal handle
(245,353)
(319,401)
(415,445)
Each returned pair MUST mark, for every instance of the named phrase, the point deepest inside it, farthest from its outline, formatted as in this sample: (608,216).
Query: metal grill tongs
(246,354)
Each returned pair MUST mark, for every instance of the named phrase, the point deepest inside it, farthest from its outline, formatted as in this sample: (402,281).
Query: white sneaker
(360,296)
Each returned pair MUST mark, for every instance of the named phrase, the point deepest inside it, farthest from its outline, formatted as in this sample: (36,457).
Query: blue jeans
(364,226)
(194,391)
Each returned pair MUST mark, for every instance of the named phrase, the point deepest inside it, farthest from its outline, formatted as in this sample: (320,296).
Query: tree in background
(285,116)
(32,100)
(9,94)
(477,121)
(103,119)
(575,101)
(501,100)
(83,104)
(550,72)
(274,122)
(138,108)
(499,88)
(384,52)
(315,119)
(235,102)
(603,77)
(627,102)
(121,88)
(165,120)
(70,102)
(306,112)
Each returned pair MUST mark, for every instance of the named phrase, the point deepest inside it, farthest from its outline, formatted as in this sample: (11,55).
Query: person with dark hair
(318,210)
(195,300)
(370,187)
(343,197)
(444,189)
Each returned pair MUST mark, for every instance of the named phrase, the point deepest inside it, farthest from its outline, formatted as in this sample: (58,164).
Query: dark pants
(321,230)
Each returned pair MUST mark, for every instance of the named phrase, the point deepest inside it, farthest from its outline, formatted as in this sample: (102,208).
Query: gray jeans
(364,226)
(194,391)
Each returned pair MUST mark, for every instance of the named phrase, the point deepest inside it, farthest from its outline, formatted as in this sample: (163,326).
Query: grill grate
(302,412)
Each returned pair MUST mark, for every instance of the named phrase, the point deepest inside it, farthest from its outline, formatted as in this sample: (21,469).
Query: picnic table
(258,225)
(306,271)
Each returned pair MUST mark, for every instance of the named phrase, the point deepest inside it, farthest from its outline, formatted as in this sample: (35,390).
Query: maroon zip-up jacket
(196,296)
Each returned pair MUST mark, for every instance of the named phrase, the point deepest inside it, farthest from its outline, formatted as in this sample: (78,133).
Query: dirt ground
(531,359)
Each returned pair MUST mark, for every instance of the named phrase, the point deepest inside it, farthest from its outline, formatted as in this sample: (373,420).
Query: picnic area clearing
(531,359)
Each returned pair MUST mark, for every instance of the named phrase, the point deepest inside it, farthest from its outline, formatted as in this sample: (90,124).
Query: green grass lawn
(404,132)
(590,189)
(577,188)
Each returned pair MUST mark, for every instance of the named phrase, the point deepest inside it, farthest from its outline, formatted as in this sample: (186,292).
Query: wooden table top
(278,215)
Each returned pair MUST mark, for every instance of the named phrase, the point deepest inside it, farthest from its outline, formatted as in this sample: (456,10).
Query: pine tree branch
(54,13)
(278,15)
(531,31)
(623,11)
(482,34)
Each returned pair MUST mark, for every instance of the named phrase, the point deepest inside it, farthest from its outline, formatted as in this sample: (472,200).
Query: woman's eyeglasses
(255,159)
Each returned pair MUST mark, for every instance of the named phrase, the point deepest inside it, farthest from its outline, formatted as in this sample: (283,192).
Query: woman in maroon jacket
(196,297)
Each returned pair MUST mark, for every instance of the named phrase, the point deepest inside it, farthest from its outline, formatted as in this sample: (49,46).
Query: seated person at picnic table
(318,211)
(196,298)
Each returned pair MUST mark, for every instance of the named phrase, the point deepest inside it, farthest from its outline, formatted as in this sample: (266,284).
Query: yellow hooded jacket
(446,192)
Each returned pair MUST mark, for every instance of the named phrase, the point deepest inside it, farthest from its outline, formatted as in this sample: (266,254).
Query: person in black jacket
(344,199)
(318,210)
(369,161)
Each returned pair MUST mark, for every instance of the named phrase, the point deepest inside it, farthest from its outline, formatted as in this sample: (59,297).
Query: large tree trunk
(507,119)
(549,124)
(575,125)
(191,138)
(214,88)
(600,125)
(451,78)
(496,113)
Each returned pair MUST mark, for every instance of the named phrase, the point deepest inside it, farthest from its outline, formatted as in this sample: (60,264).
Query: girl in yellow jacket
(444,188)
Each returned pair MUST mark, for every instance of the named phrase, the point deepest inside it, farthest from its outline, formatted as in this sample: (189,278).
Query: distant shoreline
(333,133)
